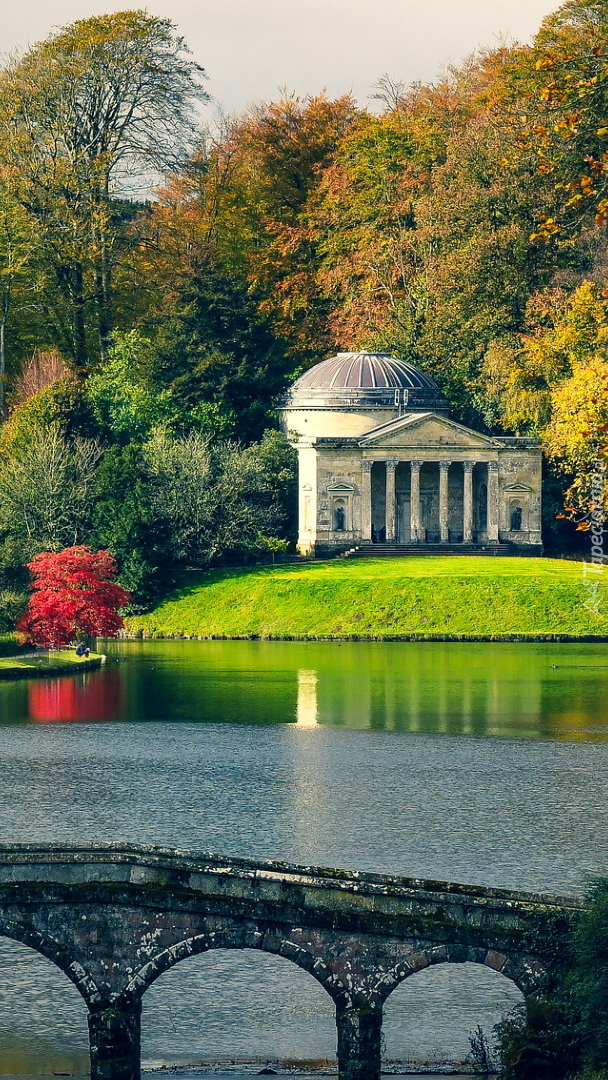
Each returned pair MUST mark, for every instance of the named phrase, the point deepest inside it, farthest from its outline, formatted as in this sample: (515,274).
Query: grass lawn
(371,598)
(60,662)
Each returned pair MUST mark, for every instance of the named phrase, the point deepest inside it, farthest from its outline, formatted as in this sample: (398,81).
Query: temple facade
(381,461)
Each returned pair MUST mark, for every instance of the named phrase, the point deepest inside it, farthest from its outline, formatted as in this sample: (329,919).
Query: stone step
(366,551)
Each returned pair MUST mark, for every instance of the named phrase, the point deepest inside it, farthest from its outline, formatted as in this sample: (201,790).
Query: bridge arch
(528,975)
(467,996)
(255,1002)
(58,954)
(234,938)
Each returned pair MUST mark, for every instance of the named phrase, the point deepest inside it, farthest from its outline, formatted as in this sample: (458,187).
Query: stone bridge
(115,918)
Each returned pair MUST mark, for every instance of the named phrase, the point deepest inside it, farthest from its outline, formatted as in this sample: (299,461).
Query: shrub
(542,1040)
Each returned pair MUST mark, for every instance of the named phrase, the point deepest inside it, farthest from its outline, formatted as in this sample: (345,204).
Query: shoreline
(278,1067)
(141,635)
(40,666)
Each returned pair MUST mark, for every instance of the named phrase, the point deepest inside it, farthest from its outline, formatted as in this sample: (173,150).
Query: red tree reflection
(98,696)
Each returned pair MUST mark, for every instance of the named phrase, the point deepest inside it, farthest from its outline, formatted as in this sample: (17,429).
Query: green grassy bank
(61,662)
(433,596)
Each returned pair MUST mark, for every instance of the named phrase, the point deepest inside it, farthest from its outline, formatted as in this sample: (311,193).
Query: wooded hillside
(461,226)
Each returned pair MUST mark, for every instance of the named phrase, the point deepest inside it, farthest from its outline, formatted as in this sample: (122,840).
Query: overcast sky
(250,48)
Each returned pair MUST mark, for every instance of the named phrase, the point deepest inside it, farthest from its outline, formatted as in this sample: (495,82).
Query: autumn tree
(563,114)
(74,595)
(84,116)
(552,382)
(238,214)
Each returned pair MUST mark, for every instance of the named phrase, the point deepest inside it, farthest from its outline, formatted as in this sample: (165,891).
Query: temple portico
(429,501)
(384,463)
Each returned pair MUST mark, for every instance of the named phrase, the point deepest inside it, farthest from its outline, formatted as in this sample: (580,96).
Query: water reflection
(307,712)
(451,688)
(81,697)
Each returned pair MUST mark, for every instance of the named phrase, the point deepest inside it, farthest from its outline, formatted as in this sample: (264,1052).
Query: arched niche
(43,1017)
(431,1014)
(237,1003)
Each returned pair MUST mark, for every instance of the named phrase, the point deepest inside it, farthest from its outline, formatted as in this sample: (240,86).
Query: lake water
(479,763)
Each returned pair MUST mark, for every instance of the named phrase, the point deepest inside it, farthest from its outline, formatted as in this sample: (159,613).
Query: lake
(482,763)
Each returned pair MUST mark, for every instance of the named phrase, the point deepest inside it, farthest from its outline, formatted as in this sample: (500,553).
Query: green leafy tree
(18,286)
(62,403)
(124,403)
(591,975)
(215,501)
(219,351)
(83,115)
(125,521)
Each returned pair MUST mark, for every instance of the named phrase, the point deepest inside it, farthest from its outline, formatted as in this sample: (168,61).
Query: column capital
(468,466)
(415,466)
(444,465)
(366,465)
(391,466)
(492,466)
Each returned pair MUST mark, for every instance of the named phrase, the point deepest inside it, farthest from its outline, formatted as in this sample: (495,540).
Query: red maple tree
(74,595)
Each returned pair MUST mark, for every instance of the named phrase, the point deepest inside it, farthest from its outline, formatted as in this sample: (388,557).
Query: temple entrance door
(404,532)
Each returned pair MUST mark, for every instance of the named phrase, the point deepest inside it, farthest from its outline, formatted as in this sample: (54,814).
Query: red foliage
(74,594)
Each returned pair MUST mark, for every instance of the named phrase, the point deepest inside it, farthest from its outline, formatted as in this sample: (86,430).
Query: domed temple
(380,461)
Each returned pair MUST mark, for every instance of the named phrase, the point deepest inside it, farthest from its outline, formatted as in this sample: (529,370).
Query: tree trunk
(6,303)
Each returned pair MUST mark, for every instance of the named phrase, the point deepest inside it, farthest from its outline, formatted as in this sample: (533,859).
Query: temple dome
(375,384)
(363,371)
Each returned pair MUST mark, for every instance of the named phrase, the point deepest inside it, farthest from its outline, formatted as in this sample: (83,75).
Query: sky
(251,49)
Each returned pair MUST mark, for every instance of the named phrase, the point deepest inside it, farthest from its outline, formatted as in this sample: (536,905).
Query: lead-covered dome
(363,370)
(365,380)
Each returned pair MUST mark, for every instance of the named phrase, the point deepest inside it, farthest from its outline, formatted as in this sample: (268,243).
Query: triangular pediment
(426,430)
(340,487)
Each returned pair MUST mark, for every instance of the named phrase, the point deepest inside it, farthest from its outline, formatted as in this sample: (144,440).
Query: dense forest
(162,282)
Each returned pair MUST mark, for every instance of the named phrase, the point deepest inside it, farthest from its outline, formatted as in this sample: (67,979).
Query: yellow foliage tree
(577,436)
(567,335)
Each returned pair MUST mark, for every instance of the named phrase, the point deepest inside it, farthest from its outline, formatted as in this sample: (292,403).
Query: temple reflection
(308,707)
(468,690)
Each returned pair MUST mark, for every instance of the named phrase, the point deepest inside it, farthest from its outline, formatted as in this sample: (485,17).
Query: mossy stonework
(114,919)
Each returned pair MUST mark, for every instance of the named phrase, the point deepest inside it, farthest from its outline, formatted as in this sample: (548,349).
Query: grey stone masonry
(113,919)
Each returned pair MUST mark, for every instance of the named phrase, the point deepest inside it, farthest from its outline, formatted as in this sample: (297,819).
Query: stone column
(391,467)
(415,524)
(444,467)
(115,1042)
(467,509)
(492,502)
(366,500)
(359,1043)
